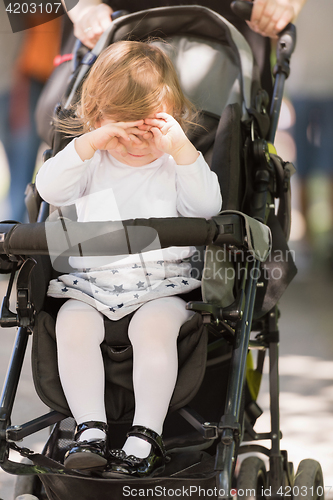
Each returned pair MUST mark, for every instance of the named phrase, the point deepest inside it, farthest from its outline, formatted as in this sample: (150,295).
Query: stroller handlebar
(243,9)
(67,238)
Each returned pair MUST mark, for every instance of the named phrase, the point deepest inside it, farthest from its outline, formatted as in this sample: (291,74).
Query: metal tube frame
(10,387)
(230,424)
(276,457)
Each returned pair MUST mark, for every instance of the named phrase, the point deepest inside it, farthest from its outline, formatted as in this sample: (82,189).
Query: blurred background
(305,137)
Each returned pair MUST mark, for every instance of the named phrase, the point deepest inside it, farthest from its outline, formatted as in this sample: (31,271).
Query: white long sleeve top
(105,189)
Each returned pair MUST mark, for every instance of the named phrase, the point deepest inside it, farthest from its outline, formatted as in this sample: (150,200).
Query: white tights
(153,333)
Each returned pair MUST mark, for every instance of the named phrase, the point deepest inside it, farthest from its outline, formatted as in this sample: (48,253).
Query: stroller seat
(117,354)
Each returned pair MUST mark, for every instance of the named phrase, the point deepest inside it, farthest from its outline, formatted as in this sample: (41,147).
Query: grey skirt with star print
(117,290)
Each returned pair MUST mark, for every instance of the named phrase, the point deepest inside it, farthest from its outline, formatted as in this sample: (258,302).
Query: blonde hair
(129,81)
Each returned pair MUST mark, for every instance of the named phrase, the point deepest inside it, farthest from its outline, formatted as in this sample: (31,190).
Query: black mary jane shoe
(121,465)
(87,454)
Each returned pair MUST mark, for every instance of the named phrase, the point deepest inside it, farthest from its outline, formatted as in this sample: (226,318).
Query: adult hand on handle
(90,19)
(269,17)
(92,23)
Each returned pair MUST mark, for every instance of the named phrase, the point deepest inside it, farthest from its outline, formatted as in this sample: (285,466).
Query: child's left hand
(170,138)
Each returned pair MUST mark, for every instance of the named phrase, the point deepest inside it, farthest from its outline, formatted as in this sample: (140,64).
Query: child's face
(138,154)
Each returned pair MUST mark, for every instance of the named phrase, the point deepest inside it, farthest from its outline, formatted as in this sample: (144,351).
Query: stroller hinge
(224,319)
(229,423)
(24,309)
(264,180)
(24,316)
(25,312)
(269,337)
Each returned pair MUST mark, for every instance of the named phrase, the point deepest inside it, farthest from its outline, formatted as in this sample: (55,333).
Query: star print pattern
(134,283)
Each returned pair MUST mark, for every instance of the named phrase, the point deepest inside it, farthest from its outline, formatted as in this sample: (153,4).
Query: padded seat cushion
(117,354)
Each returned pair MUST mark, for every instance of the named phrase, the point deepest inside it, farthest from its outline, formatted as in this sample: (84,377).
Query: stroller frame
(227,431)
(226,230)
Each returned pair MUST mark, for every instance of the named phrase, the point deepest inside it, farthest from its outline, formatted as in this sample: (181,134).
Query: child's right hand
(111,136)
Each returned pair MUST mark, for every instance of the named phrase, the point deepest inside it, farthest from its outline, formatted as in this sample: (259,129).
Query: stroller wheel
(252,478)
(309,481)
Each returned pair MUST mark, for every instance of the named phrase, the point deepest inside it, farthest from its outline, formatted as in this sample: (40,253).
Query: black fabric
(197,473)
(226,162)
(230,164)
(276,273)
(39,279)
(202,135)
(117,355)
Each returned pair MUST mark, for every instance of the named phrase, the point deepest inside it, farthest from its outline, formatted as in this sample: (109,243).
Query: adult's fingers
(288,16)
(103,14)
(271,16)
(92,23)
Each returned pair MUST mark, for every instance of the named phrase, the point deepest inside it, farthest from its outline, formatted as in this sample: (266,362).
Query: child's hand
(111,136)
(170,138)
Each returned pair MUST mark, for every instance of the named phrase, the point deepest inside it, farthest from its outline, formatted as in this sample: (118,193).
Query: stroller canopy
(213,60)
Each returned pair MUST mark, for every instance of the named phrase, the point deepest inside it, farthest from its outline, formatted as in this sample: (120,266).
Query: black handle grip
(242,8)
(118,13)
(287,42)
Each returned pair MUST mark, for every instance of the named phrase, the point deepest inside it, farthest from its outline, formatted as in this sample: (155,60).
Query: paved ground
(306,371)
(306,367)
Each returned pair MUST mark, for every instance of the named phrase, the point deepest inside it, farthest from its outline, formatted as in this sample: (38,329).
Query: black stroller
(245,267)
